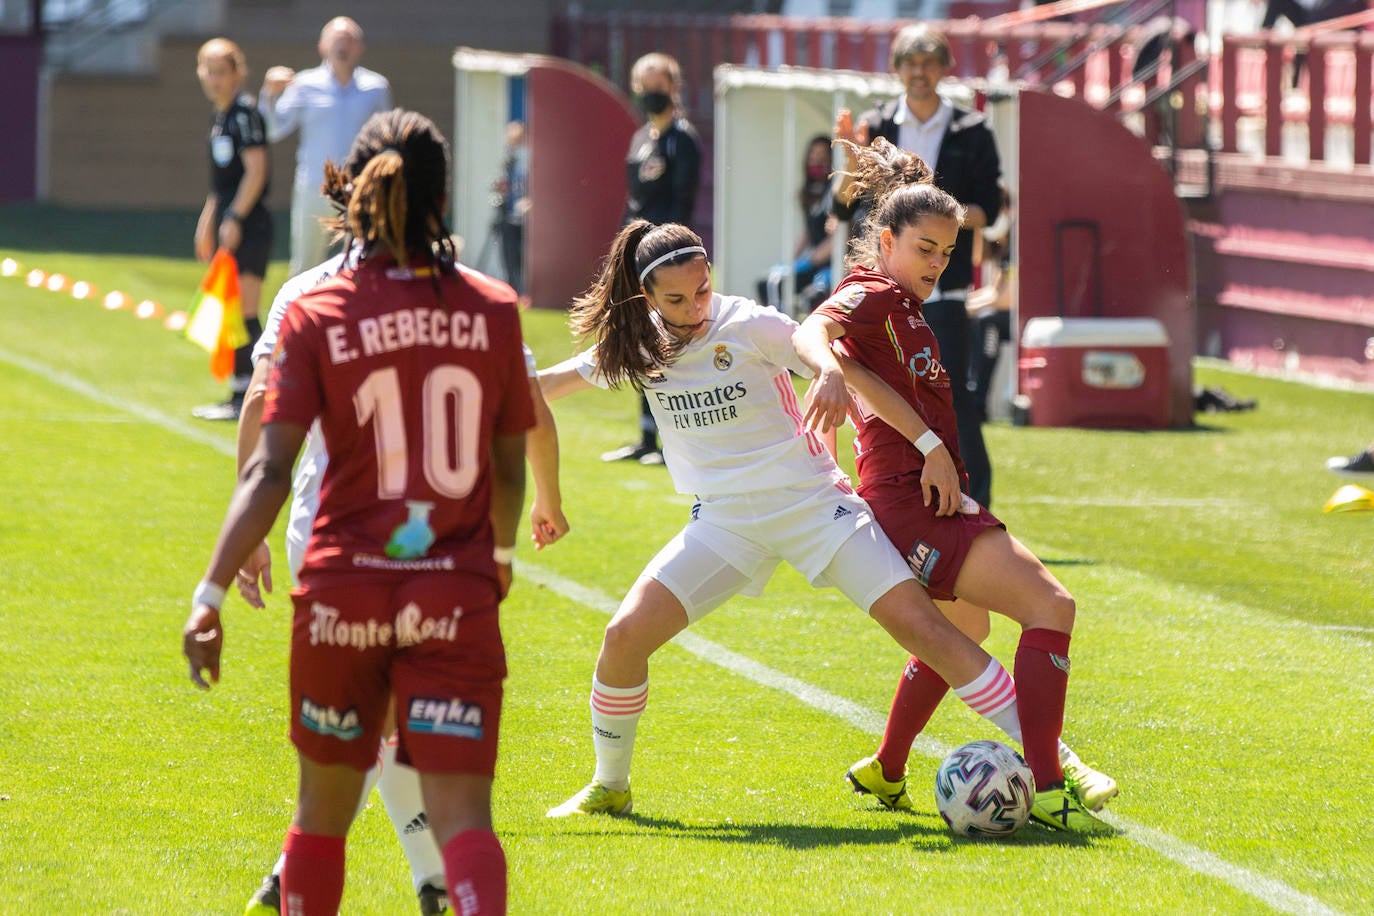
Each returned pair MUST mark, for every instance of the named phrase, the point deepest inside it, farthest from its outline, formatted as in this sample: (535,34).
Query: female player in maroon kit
(413,365)
(910,471)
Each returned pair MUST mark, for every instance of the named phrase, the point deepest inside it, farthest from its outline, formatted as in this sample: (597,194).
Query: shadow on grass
(1068,561)
(925,832)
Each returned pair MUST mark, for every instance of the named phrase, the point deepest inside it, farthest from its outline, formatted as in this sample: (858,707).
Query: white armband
(209,594)
(503,555)
(928,442)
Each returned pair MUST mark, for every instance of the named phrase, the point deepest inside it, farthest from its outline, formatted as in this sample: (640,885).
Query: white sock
(399,787)
(993,696)
(615,715)
(369,780)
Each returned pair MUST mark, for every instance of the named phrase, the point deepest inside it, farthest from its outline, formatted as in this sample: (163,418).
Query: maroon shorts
(935,547)
(433,640)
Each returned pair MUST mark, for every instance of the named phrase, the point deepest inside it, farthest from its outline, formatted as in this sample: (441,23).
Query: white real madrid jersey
(727,413)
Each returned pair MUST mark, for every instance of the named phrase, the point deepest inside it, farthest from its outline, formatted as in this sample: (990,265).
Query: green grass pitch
(1222,664)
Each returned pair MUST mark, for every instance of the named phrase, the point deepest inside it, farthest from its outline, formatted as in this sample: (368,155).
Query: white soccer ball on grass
(984,790)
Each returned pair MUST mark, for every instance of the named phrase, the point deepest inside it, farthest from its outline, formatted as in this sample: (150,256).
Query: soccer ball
(984,789)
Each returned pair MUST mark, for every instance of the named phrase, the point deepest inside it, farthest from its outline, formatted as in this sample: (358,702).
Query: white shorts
(305,501)
(733,544)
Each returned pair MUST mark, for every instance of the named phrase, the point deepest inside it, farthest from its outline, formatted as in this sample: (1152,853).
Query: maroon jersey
(409,387)
(886,332)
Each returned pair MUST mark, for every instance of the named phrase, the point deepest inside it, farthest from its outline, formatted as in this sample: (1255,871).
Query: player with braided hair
(413,366)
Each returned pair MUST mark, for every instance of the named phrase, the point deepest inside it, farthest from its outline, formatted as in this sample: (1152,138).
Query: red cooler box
(1104,372)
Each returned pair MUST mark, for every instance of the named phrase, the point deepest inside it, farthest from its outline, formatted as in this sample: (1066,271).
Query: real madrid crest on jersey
(849,297)
(723,359)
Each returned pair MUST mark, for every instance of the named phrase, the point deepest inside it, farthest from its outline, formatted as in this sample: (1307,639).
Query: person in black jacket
(235,215)
(662,173)
(959,145)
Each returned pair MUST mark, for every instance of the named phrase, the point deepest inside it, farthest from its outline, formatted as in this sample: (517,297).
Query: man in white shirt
(329,104)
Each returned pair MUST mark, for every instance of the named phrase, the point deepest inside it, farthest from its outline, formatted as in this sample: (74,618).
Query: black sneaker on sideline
(1361,465)
(433,900)
(631,453)
(1219,400)
(224,410)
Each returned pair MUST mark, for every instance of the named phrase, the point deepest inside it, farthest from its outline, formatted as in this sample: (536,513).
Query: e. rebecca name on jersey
(417,327)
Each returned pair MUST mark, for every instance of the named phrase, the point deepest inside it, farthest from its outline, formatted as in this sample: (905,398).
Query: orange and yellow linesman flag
(217,315)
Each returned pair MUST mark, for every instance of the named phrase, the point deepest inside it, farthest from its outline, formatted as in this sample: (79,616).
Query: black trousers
(513,254)
(991,329)
(950,321)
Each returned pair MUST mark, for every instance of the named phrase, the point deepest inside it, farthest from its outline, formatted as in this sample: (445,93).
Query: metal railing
(1238,97)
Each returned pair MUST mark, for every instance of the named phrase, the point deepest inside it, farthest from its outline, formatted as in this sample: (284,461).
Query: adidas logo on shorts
(840,512)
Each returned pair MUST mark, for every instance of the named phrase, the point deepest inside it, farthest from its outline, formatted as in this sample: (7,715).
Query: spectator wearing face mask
(663,172)
(810,265)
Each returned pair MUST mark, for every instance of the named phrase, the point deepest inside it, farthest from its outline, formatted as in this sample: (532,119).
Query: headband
(691,249)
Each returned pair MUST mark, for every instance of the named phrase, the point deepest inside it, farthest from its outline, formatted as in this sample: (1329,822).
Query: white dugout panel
(481,99)
(764,119)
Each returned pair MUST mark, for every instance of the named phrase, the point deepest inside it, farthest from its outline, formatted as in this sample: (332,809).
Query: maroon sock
(1042,680)
(475,869)
(919,691)
(312,880)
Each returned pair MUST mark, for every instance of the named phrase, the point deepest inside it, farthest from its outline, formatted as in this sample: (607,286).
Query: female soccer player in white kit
(715,370)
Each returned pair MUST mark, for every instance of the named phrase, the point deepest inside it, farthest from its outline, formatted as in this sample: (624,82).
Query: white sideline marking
(1267,890)
(1122,502)
(92,393)
(1272,892)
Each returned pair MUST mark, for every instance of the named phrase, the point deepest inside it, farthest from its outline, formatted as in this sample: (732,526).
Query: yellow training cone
(1350,498)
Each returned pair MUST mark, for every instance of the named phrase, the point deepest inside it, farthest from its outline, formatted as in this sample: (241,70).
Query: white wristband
(503,555)
(928,442)
(207,593)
